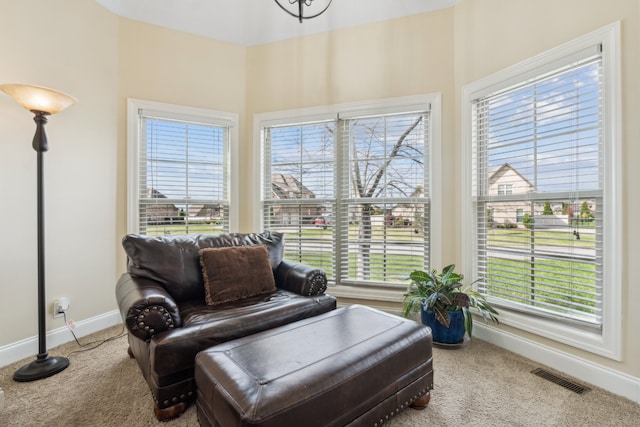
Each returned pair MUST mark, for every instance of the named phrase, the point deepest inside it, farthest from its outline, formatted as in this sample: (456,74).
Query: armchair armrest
(301,279)
(146,307)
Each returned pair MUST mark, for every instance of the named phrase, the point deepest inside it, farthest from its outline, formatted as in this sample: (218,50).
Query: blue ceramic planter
(454,334)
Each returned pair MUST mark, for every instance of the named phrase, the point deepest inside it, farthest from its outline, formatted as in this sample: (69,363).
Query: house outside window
(541,141)
(353,183)
(179,169)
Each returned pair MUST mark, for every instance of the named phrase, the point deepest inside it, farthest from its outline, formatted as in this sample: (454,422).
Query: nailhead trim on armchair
(157,308)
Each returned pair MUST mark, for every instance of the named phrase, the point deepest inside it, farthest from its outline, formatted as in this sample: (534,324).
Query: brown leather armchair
(162,302)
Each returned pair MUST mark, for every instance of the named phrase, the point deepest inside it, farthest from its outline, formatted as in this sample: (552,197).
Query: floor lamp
(42,102)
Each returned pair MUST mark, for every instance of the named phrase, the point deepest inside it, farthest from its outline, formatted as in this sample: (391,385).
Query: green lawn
(377,233)
(565,283)
(522,237)
(158,230)
(383,268)
(560,283)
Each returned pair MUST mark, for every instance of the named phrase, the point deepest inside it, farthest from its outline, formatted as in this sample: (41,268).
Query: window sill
(366,293)
(387,300)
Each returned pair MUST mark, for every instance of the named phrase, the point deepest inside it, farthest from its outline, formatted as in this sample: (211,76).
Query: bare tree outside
(380,164)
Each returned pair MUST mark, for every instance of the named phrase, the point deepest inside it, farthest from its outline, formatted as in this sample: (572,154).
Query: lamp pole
(44,366)
(41,145)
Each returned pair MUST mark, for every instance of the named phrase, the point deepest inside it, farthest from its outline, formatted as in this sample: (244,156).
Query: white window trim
(373,107)
(608,342)
(178,112)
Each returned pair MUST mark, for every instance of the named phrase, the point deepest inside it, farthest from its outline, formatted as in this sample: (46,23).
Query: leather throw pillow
(236,272)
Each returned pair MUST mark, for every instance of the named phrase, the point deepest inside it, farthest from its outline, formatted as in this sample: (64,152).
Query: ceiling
(252,22)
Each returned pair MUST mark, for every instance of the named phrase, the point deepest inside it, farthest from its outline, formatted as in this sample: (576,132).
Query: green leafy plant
(443,292)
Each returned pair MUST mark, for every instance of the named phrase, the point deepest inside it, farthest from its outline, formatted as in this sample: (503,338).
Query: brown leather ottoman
(351,366)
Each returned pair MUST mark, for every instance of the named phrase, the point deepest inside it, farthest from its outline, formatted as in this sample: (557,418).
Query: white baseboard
(606,378)
(29,346)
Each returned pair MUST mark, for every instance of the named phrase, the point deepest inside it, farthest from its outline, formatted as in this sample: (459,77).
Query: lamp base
(41,368)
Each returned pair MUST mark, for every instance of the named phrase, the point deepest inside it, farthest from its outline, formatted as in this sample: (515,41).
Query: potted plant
(444,304)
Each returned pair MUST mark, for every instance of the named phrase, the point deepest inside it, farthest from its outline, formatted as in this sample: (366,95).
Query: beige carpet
(479,385)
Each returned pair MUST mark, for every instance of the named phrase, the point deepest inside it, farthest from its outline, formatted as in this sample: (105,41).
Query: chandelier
(301,3)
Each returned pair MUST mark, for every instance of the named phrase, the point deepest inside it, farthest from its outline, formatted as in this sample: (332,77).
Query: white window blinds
(351,194)
(538,191)
(183,184)
(384,209)
(299,190)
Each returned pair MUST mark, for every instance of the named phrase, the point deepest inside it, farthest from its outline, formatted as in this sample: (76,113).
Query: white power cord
(91,345)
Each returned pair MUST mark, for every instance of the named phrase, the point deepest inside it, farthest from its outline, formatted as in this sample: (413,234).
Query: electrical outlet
(61,306)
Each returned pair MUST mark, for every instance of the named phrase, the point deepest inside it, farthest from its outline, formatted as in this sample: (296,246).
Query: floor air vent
(569,385)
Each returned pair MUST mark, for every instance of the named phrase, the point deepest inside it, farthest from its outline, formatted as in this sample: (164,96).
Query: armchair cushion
(236,272)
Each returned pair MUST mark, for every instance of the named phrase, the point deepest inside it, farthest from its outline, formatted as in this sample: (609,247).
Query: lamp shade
(37,98)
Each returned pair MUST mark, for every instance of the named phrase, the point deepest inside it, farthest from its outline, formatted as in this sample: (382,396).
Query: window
(383,209)
(543,135)
(179,169)
(299,190)
(505,189)
(350,189)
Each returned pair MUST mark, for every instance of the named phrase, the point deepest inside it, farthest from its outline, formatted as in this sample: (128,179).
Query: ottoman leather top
(327,368)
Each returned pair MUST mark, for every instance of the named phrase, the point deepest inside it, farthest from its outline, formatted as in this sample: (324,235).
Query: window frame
(607,341)
(383,106)
(177,112)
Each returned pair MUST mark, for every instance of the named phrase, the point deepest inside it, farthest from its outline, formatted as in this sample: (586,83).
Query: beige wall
(71,47)
(102,59)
